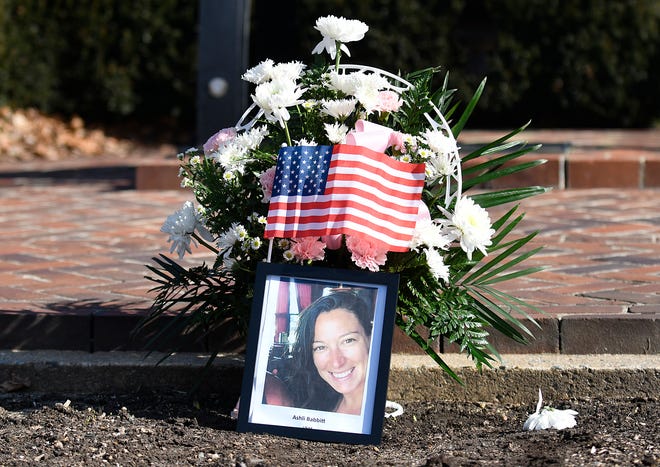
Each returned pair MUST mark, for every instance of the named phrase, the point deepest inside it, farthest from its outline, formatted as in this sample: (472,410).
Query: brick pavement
(72,262)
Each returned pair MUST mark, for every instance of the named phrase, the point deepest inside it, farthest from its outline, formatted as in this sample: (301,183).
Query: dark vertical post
(224,29)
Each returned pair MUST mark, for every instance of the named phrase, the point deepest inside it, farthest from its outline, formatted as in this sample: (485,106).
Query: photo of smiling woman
(331,353)
(318,353)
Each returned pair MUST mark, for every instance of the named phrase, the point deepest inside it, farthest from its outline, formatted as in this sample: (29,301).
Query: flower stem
(338,55)
(204,243)
(286,132)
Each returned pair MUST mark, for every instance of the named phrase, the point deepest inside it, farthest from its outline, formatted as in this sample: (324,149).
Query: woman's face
(341,350)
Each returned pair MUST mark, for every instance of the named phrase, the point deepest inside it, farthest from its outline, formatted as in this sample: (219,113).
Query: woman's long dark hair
(307,388)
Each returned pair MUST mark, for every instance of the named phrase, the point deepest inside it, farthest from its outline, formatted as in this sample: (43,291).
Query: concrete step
(516,379)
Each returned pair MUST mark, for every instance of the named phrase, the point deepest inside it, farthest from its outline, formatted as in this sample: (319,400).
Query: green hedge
(562,63)
(103,59)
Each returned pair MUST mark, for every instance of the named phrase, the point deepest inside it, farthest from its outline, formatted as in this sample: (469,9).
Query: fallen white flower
(550,418)
(397,409)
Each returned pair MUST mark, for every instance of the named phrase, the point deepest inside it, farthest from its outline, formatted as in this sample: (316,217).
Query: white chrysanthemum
(181,225)
(306,142)
(344,83)
(339,109)
(367,89)
(290,71)
(255,243)
(251,139)
(336,132)
(436,264)
(232,158)
(335,30)
(470,224)
(260,73)
(438,142)
(228,239)
(548,417)
(273,97)
(430,234)
(438,166)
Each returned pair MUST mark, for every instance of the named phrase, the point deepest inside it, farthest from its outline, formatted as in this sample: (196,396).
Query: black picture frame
(271,390)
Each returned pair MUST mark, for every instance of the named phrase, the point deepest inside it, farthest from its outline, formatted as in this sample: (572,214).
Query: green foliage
(461,306)
(463,311)
(562,63)
(99,58)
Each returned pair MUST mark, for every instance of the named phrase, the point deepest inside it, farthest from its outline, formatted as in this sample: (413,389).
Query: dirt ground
(172,429)
(168,428)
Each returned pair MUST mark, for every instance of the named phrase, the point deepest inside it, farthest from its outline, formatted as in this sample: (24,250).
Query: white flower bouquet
(412,215)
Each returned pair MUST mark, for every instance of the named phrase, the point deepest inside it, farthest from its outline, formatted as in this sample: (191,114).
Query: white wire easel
(437,123)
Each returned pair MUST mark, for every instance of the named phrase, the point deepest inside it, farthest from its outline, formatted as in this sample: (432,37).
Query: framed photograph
(318,353)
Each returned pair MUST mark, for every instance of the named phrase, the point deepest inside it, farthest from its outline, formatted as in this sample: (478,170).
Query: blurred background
(133,68)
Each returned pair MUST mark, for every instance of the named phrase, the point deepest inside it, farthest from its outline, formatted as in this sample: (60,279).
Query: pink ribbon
(370,135)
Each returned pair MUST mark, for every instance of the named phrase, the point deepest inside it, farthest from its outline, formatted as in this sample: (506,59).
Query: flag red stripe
(367,193)
(367,190)
(404,167)
(301,221)
(347,167)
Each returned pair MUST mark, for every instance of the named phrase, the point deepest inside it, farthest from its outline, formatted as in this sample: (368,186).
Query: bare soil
(172,429)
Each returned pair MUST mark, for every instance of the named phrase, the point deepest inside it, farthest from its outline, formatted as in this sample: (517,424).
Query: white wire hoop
(437,122)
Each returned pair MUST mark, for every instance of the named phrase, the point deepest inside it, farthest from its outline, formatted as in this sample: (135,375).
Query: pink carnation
(218,140)
(307,249)
(266,179)
(388,101)
(397,141)
(366,254)
(332,241)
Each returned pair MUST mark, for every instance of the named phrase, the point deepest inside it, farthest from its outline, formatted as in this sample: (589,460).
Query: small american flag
(344,189)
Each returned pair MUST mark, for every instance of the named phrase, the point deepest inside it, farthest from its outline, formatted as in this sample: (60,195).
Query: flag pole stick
(270,250)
